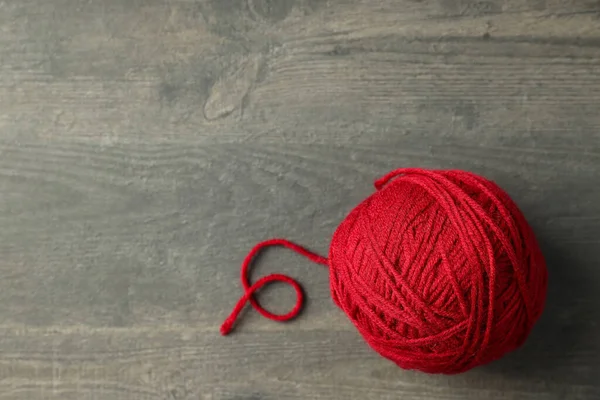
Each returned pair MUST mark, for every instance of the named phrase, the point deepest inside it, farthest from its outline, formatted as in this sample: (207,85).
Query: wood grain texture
(145,146)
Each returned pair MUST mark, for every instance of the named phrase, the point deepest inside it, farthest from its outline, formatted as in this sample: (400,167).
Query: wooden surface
(145,146)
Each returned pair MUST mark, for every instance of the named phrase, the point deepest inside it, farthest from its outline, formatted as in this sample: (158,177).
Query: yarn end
(226,327)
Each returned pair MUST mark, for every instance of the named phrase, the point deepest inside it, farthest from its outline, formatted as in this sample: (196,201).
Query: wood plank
(186,362)
(194,71)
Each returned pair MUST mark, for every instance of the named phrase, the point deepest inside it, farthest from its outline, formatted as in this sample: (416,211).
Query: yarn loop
(438,270)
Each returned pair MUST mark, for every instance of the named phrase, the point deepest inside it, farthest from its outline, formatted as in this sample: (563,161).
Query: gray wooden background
(146,145)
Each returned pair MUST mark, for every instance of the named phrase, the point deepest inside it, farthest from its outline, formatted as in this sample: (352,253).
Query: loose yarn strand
(249,290)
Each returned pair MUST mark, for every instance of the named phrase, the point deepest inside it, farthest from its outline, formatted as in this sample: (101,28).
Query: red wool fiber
(438,270)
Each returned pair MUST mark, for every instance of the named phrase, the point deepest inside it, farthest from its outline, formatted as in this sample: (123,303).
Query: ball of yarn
(438,270)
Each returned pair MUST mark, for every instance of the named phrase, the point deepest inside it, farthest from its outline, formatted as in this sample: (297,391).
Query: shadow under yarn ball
(438,270)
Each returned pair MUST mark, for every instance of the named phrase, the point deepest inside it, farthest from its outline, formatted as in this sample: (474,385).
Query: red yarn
(438,270)
(249,290)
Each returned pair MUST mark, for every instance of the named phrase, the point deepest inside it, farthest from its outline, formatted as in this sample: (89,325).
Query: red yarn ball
(438,270)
